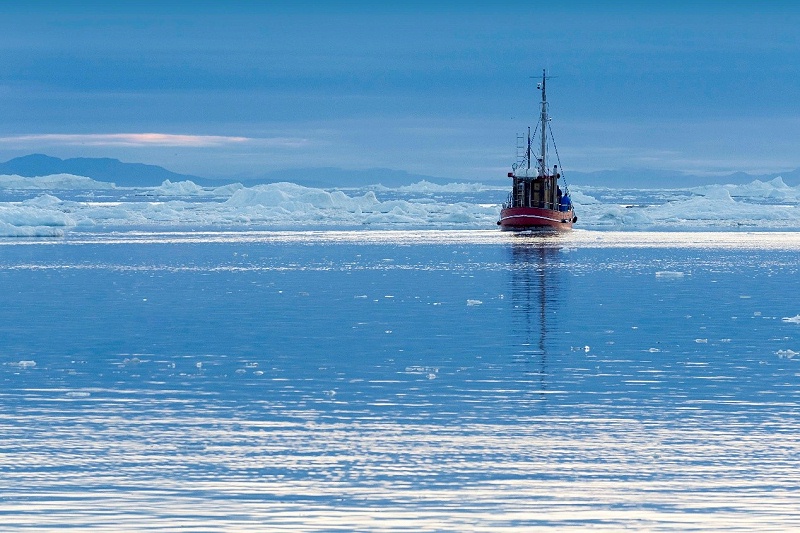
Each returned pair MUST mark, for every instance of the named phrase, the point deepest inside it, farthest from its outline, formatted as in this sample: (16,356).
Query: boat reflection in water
(537,298)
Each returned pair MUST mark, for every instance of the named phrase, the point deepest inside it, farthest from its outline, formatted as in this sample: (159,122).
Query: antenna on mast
(543,166)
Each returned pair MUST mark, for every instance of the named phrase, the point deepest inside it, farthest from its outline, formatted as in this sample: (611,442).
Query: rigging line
(553,138)
(536,129)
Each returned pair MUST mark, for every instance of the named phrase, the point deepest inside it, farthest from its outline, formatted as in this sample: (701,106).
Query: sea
(186,359)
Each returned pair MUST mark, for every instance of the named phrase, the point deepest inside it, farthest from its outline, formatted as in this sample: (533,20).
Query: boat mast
(528,156)
(544,125)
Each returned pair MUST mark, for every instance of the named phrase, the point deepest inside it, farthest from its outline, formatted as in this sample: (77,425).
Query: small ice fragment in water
(793,319)
(23,364)
(199,365)
(654,350)
(586,349)
(701,341)
(418,369)
(474,302)
(668,274)
(786,354)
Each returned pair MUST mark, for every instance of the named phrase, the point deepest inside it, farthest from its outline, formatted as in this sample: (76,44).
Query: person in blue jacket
(565,203)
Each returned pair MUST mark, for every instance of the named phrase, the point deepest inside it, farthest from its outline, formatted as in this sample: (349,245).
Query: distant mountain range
(99,169)
(141,175)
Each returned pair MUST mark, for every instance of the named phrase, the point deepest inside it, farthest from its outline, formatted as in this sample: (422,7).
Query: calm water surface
(400,381)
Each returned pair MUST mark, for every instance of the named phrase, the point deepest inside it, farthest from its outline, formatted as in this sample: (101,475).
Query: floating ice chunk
(580,198)
(669,274)
(775,189)
(474,302)
(190,188)
(38,217)
(294,197)
(793,319)
(23,364)
(10,230)
(786,354)
(419,369)
(179,188)
(701,341)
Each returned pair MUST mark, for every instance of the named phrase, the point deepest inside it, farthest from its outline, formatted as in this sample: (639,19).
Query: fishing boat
(537,200)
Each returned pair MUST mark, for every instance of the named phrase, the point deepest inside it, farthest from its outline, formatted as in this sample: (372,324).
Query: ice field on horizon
(53,205)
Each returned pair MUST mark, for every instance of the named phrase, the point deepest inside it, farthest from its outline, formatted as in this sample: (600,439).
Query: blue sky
(238,89)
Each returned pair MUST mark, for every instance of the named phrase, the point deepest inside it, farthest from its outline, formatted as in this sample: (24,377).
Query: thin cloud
(146,140)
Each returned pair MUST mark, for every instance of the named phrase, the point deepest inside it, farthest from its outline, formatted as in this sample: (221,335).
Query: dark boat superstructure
(536,200)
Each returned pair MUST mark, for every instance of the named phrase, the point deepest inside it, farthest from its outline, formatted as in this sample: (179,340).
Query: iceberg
(52,182)
(774,189)
(190,188)
(426,187)
(717,206)
(42,216)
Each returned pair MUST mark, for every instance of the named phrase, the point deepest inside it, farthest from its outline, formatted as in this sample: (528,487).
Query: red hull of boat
(523,218)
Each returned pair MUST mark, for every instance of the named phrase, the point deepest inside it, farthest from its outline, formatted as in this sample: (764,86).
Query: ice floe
(59,206)
(770,205)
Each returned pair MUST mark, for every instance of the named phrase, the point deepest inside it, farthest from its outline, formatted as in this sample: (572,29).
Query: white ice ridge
(52,182)
(426,186)
(190,188)
(768,205)
(38,217)
(758,205)
(277,205)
